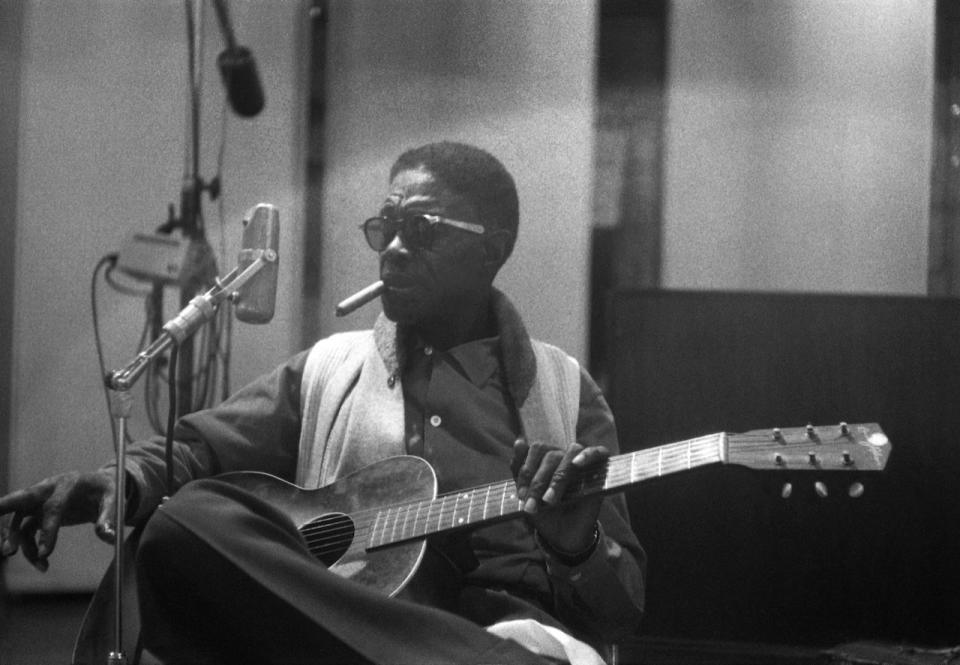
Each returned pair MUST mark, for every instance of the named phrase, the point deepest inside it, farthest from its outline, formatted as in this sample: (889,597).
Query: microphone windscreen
(257,298)
(238,70)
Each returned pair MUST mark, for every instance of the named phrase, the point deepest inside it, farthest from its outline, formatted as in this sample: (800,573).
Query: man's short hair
(472,173)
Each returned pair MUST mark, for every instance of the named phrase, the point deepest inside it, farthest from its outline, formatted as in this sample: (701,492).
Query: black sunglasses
(417,230)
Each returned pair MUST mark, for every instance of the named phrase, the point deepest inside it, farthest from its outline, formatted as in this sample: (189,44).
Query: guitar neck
(498,501)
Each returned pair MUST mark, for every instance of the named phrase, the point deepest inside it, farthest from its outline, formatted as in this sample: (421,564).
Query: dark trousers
(224,577)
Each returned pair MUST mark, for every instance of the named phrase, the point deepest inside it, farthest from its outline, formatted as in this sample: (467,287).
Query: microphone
(238,70)
(256,300)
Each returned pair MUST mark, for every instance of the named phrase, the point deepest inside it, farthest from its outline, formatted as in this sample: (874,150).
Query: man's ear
(496,248)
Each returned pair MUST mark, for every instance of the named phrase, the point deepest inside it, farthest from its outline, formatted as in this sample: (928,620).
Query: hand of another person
(543,475)
(31,518)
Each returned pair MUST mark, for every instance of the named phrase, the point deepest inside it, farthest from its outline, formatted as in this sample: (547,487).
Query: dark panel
(729,558)
(11,27)
(316,164)
(944,241)
(631,82)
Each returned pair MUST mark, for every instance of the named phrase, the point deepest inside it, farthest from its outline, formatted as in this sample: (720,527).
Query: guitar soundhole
(328,537)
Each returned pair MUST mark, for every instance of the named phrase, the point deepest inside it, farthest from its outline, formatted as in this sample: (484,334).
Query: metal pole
(120,405)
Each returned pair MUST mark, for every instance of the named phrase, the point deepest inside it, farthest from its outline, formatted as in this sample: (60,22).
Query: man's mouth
(398,282)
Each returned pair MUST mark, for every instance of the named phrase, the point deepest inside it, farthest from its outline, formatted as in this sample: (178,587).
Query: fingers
(50,520)
(545,473)
(28,543)
(104,528)
(21,503)
(560,479)
(536,461)
(25,499)
(9,536)
(39,511)
(589,456)
(525,464)
(36,533)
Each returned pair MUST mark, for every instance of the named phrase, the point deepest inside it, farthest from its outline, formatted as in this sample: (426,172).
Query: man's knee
(176,524)
(213,514)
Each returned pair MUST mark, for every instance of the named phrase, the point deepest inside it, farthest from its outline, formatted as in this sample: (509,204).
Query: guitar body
(389,570)
(325,514)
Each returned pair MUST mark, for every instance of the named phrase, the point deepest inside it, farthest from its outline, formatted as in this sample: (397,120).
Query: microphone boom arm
(199,310)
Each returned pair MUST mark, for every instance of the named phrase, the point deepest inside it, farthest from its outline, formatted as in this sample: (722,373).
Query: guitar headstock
(842,447)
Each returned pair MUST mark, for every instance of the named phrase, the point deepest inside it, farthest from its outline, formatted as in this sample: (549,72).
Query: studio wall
(798,145)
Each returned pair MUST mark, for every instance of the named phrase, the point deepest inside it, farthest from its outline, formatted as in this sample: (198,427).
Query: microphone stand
(201,309)
(193,186)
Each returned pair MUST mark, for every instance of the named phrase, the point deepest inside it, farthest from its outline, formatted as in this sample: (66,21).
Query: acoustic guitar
(371,526)
(354,527)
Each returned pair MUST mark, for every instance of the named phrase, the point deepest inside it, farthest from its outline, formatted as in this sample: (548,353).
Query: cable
(218,178)
(122,288)
(97,340)
(154,375)
(227,349)
(171,415)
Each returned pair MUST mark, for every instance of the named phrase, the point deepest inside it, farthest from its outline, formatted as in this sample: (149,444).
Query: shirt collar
(478,360)
(519,363)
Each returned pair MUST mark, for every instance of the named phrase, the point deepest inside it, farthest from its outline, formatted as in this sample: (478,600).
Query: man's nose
(396,245)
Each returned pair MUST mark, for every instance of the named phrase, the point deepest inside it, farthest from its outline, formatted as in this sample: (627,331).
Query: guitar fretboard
(497,501)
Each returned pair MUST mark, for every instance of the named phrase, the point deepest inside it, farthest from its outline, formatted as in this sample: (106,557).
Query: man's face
(428,286)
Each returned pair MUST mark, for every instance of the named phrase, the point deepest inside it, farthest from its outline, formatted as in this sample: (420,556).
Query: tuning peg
(777,434)
(812,433)
(844,429)
(786,490)
(821,489)
(812,458)
(856,490)
(847,460)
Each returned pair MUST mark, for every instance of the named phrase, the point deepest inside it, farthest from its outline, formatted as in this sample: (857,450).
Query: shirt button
(435,420)
(428,350)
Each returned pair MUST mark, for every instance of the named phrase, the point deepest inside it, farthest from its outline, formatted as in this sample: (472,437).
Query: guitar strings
(337,538)
(619,470)
(621,466)
(325,538)
(328,538)
(496,495)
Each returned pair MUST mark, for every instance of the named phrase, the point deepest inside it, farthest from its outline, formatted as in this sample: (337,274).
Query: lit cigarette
(360,298)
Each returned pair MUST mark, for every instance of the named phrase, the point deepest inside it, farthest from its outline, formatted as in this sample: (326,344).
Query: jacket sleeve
(256,429)
(604,594)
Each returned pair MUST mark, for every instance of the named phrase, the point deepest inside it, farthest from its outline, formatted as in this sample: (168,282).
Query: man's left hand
(543,475)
